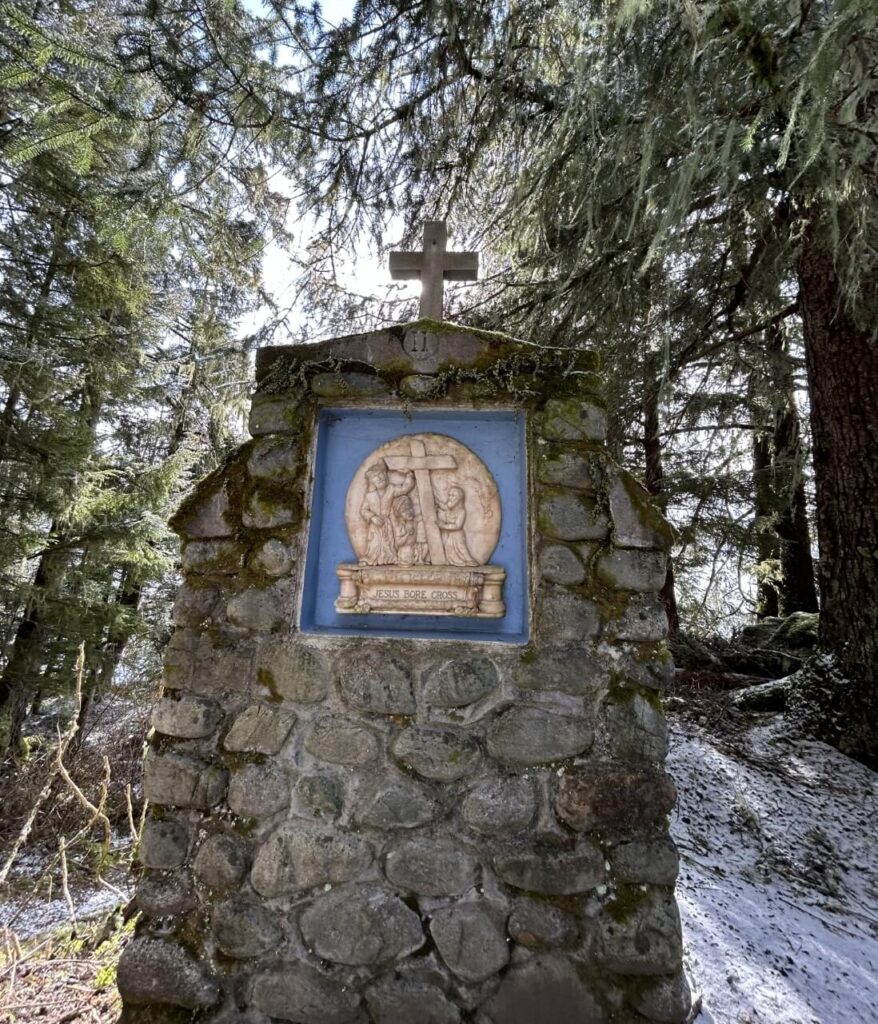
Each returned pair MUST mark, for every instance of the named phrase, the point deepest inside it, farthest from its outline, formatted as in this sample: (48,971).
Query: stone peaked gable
(355,819)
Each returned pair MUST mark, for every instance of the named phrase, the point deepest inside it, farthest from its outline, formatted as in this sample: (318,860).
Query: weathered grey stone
(530,736)
(636,523)
(636,730)
(265,511)
(361,924)
(500,806)
(186,718)
(301,857)
(571,517)
(205,515)
(261,609)
(436,753)
(221,861)
(399,803)
(217,669)
(552,872)
(471,939)
(537,924)
(163,845)
(545,988)
(212,557)
(606,797)
(645,862)
(419,385)
(633,569)
(570,419)
(273,458)
(667,1000)
(165,895)
(180,781)
(341,385)
(645,620)
(341,740)
(646,938)
(568,469)
(373,680)
(398,1001)
(295,991)
(322,794)
(244,929)
(179,659)
(652,670)
(560,564)
(568,670)
(194,604)
(431,867)
(294,672)
(461,681)
(270,415)
(159,971)
(565,616)
(274,558)
(260,729)
(259,790)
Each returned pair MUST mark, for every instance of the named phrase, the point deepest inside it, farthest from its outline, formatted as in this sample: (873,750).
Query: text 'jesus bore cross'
(433,266)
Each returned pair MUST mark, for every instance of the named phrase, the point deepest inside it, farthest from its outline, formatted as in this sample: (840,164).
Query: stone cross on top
(433,266)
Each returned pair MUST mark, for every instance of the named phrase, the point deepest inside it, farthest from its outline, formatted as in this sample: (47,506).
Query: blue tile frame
(345,437)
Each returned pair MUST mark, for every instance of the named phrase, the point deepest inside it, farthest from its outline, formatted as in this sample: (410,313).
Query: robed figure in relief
(451,516)
(376,510)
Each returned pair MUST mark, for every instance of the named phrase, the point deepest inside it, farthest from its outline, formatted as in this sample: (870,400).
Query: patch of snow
(29,918)
(778,887)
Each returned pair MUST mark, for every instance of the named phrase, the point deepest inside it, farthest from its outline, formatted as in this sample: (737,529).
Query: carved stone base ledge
(422,590)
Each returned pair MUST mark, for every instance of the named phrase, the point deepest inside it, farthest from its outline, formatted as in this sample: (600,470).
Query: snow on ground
(33,909)
(778,886)
(29,918)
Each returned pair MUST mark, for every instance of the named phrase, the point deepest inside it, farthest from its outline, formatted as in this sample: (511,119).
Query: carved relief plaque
(423,516)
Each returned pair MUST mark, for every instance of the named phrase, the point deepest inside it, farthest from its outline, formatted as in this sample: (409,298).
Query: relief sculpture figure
(451,517)
(423,517)
(405,531)
(376,512)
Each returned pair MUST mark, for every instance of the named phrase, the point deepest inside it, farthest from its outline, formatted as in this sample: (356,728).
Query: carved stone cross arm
(434,265)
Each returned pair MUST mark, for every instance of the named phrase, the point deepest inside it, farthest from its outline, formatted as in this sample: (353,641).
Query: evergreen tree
(132,223)
(722,153)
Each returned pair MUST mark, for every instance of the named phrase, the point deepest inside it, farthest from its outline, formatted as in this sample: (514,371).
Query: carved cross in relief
(434,265)
(422,463)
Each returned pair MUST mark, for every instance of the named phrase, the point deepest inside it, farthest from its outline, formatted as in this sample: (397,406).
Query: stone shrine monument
(407,767)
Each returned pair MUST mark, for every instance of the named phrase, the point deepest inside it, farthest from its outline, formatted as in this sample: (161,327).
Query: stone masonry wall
(348,829)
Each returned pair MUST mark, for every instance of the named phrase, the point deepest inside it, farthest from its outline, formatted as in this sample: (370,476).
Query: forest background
(688,188)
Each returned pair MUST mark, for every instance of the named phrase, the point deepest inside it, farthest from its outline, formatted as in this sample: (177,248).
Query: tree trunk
(842,360)
(118,635)
(654,476)
(8,418)
(799,590)
(22,671)
(779,488)
(767,546)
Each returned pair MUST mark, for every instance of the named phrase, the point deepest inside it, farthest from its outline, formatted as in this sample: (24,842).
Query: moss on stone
(622,690)
(627,900)
(529,656)
(644,505)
